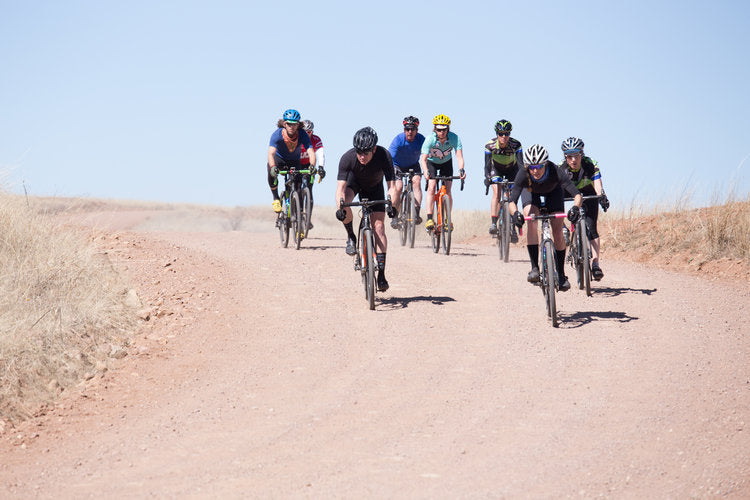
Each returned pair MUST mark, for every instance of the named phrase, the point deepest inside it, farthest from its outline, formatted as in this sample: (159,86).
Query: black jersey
(502,161)
(366,176)
(585,176)
(555,178)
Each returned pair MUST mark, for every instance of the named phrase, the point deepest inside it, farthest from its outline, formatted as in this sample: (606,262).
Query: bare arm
(271,154)
(460,158)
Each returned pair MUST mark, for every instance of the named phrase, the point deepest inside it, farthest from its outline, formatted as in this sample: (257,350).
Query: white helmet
(572,145)
(535,155)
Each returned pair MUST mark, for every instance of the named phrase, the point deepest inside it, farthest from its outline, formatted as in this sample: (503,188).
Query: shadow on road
(614,292)
(582,318)
(403,302)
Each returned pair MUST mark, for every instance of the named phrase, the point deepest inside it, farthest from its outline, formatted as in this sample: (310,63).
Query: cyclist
(285,150)
(543,177)
(502,157)
(405,150)
(437,159)
(361,173)
(317,146)
(586,176)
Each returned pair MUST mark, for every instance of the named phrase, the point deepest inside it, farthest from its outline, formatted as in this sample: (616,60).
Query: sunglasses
(442,129)
(410,129)
(573,155)
(503,134)
(535,167)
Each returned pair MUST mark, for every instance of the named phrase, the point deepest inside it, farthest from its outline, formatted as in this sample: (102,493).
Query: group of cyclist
(363,168)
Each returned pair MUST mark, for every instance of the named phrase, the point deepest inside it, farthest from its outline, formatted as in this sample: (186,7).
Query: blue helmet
(291,115)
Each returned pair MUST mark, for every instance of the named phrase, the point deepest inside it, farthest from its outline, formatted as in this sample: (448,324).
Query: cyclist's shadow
(614,292)
(582,318)
(403,302)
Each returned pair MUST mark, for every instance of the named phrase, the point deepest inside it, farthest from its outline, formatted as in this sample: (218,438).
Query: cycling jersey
(290,158)
(502,161)
(405,154)
(554,181)
(317,144)
(585,176)
(438,152)
(366,176)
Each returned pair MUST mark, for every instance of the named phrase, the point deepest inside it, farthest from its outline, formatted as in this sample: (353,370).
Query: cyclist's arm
(487,163)
(423,165)
(392,189)
(271,154)
(320,156)
(460,158)
(598,187)
(340,192)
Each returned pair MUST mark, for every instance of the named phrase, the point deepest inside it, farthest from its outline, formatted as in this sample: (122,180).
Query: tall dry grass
(62,309)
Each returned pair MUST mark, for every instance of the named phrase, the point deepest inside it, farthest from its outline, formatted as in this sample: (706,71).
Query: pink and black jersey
(317,143)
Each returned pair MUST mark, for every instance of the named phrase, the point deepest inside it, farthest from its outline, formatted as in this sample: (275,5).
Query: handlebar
(444,178)
(363,203)
(557,215)
(503,182)
(587,197)
(293,171)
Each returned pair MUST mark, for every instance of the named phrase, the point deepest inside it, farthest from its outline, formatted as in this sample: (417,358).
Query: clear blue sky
(176,100)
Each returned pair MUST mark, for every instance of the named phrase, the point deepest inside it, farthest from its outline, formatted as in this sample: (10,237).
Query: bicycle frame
(548,279)
(295,205)
(443,204)
(408,211)
(503,234)
(579,256)
(365,258)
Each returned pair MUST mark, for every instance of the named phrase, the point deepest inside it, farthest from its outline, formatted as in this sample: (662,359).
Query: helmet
(307,125)
(441,120)
(291,115)
(503,126)
(572,145)
(365,139)
(535,155)
(411,121)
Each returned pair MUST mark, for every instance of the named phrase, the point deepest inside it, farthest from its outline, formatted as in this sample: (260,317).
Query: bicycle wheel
(282,221)
(447,229)
(403,213)
(296,219)
(575,249)
(306,209)
(368,251)
(435,233)
(504,237)
(411,222)
(585,259)
(549,291)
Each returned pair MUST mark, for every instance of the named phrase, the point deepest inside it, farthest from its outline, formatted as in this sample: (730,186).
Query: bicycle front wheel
(306,210)
(435,233)
(585,259)
(447,229)
(575,249)
(412,220)
(296,219)
(549,290)
(368,254)
(282,221)
(402,215)
(504,239)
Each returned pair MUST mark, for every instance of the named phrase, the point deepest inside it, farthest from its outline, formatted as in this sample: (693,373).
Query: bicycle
(364,259)
(407,216)
(548,279)
(503,216)
(579,256)
(296,204)
(443,226)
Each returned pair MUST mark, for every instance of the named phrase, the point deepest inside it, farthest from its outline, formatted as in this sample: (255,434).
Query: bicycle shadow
(616,292)
(403,302)
(583,318)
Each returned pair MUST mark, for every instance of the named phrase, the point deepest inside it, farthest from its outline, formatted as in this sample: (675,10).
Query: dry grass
(61,309)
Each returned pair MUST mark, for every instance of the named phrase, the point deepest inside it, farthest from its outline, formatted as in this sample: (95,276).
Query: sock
(381,261)
(275,193)
(533,255)
(494,219)
(560,261)
(350,230)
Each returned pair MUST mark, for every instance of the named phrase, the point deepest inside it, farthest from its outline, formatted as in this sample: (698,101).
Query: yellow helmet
(441,120)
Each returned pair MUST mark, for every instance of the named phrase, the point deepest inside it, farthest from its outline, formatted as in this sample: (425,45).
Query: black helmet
(411,121)
(503,126)
(365,139)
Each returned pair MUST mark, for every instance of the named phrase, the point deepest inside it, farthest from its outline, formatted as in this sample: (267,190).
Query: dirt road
(262,373)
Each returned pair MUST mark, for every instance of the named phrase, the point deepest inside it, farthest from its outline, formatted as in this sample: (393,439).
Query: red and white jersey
(317,144)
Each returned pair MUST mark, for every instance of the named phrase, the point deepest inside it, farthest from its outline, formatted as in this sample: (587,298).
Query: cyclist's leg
(351,241)
(592,217)
(532,240)
(556,203)
(430,201)
(494,208)
(273,182)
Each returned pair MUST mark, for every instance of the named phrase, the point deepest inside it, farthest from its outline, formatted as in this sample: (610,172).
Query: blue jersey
(406,154)
(289,157)
(441,152)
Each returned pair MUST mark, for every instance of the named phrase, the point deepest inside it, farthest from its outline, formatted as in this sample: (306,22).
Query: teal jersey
(441,152)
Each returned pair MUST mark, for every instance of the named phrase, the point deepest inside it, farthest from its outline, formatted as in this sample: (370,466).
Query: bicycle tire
(507,228)
(402,219)
(368,250)
(306,209)
(575,249)
(585,259)
(412,221)
(549,262)
(295,216)
(283,222)
(447,229)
